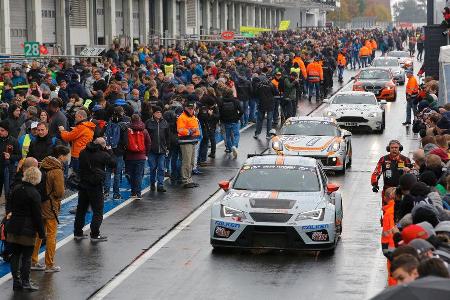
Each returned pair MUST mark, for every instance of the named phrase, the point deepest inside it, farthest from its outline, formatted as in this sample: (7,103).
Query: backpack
(113,133)
(228,109)
(42,186)
(136,140)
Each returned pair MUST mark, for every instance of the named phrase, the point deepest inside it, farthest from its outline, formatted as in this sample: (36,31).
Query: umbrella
(426,288)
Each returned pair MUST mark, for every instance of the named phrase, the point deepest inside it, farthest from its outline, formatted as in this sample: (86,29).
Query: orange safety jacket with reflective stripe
(387,235)
(364,52)
(412,87)
(315,72)
(341,61)
(301,65)
(187,128)
(374,44)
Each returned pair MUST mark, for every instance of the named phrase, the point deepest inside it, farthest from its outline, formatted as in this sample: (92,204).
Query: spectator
(139,145)
(188,133)
(26,139)
(52,193)
(9,155)
(93,161)
(15,120)
(43,144)
(24,224)
(433,267)
(80,136)
(158,129)
(265,92)
(230,113)
(404,268)
(57,117)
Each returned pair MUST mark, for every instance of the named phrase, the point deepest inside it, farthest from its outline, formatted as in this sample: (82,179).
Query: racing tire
(383,125)
(344,167)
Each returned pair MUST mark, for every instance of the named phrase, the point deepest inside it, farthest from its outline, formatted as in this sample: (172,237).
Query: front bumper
(371,123)
(271,236)
(385,94)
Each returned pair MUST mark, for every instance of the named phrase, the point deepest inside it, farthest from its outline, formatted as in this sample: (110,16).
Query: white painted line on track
(122,276)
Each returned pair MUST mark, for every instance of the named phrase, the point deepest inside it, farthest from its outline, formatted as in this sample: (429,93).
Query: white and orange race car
(317,137)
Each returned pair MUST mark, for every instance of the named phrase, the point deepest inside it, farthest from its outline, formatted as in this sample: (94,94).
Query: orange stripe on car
(302,148)
(280,160)
(274,195)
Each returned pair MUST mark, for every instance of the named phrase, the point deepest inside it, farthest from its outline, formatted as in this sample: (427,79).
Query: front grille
(272,203)
(352,119)
(270,217)
(325,161)
(374,89)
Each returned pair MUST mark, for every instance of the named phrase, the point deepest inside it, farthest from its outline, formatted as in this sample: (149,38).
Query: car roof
(385,58)
(374,68)
(309,118)
(288,160)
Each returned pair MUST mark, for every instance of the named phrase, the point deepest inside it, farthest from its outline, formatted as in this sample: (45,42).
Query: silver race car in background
(393,64)
(317,137)
(278,202)
(404,59)
(357,110)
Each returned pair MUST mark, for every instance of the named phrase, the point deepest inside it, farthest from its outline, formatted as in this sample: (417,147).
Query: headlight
(372,115)
(277,146)
(316,214)
(334,147)
(330,114)
(233,213)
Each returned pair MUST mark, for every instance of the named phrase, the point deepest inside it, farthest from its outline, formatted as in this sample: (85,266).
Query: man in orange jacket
(412,91)
(364,54)
(188,135)
(315,78)
(389,227)
(81,135)
(341,63)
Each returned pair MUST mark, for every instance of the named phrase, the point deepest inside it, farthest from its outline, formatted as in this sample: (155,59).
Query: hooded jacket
(93,162)
(80,136)
(54,187)
(139,126)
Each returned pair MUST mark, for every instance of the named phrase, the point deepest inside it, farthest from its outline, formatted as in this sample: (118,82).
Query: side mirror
(273,132)
(383,102)
(332,187)
(224,185)
(326,100)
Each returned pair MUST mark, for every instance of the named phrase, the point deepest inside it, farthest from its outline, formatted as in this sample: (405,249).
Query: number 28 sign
(31,49)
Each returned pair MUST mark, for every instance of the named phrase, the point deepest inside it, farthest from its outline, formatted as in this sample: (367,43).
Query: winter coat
(54,187)
(80,136)
(139,126)
(56,120)
(93,162)
(41,147)
(264,93)
(159,135)
(15,152)
(26,219)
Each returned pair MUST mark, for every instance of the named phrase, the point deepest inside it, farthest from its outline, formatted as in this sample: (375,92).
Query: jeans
(276,112)
(252,109)
(286,108)
(364,61)
(259,122)
(89,197)
(209,136)
(314,86)
(175,163)
(156,164)
(410,106)
(355,59)
(135,171)
(245,115)
(231,135)
(117,175)
(340,72)
(75,164)
(51,229)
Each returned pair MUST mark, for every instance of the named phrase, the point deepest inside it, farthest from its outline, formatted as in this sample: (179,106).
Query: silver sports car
(393,64)
(278,202)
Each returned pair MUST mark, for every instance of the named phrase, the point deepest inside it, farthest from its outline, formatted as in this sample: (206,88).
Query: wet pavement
(184,265)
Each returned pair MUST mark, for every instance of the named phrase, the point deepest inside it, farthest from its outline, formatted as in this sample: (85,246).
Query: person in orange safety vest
(389,227)
(412,91)
(364,54)
(341,63)
(314,76)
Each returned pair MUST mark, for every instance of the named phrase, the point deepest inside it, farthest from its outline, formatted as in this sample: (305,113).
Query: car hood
(305,143)
(393,69)
(353,109)
(273,202)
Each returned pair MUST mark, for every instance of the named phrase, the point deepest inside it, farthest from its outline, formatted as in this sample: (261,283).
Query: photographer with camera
(391,167)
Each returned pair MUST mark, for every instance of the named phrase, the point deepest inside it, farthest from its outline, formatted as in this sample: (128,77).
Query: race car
(278,202)
(403,57)
(392,64)
(317,137)
(356,109)
(378,81)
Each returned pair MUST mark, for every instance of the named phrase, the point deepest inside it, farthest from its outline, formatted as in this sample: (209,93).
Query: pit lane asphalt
(186,268)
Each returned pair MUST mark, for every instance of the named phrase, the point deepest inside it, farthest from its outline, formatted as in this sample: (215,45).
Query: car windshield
(277,178)
(385,63)
(355,99)
(374,74)
(398,54)
(309,128)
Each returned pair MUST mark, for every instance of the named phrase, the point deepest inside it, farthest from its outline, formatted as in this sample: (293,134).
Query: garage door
(18,25)
(100,21)
(119,17)
(136,19)
(48,21)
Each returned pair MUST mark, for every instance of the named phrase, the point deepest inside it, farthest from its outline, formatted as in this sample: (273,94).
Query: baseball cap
(34,125)
(190,104)
(421,245)
(443,226)
(412,232)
